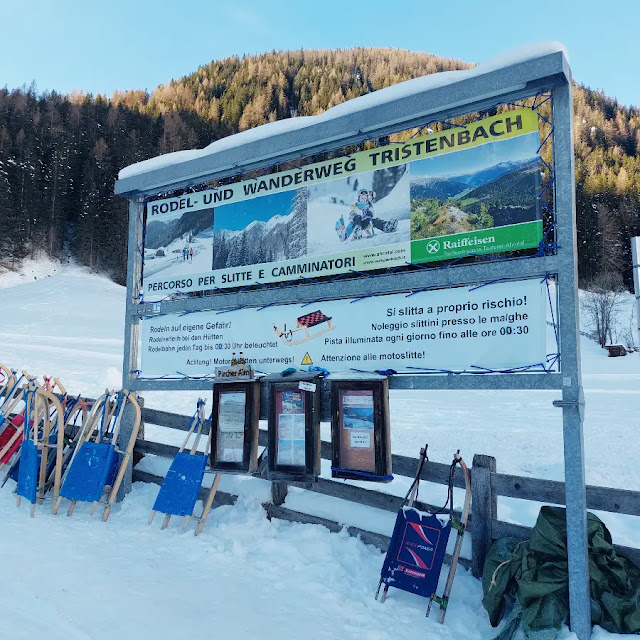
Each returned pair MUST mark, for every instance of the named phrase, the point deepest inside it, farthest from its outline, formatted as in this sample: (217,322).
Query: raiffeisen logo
(467,242)
(433,246)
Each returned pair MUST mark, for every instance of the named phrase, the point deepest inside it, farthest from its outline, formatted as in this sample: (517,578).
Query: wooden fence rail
(487,485)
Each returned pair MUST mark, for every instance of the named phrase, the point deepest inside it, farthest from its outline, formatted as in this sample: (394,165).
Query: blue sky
(129,44)
(475,159)
(238,215)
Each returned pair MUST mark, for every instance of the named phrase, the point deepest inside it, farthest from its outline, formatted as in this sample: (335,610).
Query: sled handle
(51,399)
(60,386)
(131,397)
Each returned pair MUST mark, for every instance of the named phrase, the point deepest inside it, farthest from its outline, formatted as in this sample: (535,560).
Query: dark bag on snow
(532,576)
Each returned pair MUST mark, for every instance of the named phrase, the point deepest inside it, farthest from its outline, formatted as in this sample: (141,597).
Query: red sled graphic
(304,323)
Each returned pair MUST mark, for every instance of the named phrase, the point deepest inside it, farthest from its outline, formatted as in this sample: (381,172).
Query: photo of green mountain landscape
(493,185)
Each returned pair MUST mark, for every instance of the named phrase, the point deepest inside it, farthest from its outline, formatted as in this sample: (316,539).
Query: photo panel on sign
(357,212)
(177,243)
(269,228)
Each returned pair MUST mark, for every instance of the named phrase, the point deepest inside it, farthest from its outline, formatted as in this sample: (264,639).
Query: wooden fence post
(484,509)
(278,492)
(126,429)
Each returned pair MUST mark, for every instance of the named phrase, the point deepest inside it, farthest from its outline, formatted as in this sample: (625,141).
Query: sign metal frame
(548,73)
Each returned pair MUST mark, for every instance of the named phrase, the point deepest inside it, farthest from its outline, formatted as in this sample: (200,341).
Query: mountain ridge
(59,155)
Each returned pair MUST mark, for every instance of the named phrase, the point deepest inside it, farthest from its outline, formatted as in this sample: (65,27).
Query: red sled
(7,435)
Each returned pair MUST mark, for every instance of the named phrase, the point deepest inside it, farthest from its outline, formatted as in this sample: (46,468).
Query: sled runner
(179,491)
(7,379)
(127,453)
(74,408)
(304,323)
(419,541)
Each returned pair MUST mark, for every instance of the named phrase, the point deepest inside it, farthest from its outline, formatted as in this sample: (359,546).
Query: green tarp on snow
(533,577)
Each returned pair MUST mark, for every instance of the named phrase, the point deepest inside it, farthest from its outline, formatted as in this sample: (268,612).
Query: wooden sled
(101,432)
(304,323)
(101,410)
(11,435)
(74,409)
(44,424)
(170,497)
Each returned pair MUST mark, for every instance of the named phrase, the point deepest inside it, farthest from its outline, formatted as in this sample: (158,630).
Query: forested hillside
(59,155)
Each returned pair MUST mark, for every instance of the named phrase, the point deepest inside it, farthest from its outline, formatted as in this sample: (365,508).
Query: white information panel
(497,326)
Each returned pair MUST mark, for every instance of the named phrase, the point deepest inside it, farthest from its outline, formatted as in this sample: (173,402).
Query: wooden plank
(613,500)
(170,420)
(334,488)
(485,510)
(278,492)
(378,540)
(501,529)
(552,491)
(629,553)
(437,472)
(156,448)
(359,495)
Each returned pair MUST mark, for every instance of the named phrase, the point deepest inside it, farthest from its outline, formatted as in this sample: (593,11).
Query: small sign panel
(294,431)
(290,428)
(237,372)
(234,424)
(231,417)
(357,426)
(361,448)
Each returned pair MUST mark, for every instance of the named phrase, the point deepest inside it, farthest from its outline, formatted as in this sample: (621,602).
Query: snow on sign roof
(375,98)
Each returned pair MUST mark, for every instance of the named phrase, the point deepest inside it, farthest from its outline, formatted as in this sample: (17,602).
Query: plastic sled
(416,552)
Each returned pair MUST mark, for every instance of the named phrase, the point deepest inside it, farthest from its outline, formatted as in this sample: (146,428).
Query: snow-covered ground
(293,578)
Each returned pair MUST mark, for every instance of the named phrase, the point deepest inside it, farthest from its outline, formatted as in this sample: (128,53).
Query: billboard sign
(446,195)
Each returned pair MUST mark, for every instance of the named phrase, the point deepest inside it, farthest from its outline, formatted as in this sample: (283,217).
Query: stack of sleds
(55,446)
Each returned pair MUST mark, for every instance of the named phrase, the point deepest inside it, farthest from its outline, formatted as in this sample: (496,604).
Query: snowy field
(293,578)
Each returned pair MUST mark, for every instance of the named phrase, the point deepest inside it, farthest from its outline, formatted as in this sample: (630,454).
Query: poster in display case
(294,431)
(234,424)
(360,432)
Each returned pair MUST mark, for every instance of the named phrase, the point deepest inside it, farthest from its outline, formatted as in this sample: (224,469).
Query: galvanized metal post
(131,325)
(635,259)
(134,271)
(569,336)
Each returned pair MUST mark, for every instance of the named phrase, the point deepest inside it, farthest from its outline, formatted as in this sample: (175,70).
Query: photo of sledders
(362,220)
(365,210)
